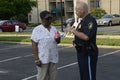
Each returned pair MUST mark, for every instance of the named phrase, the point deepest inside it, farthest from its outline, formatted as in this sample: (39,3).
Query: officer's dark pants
(87,64)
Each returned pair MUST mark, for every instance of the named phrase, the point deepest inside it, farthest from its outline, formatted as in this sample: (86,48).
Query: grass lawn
(100,41)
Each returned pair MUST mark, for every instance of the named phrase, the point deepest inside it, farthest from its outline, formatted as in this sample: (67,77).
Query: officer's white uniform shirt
(47,46)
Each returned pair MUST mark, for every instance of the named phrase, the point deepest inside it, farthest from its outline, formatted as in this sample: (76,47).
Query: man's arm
(81,35)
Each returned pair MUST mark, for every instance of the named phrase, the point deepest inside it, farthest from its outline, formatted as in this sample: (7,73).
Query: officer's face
(80,12)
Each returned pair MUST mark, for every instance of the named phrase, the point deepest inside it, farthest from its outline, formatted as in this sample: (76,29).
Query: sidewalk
(69,45)
(99,46)
(15,34)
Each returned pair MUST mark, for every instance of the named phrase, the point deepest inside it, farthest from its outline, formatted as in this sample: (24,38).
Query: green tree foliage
(98,13)
(16,9)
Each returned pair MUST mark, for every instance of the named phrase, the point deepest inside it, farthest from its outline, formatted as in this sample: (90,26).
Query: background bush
(33,24)
(98,12)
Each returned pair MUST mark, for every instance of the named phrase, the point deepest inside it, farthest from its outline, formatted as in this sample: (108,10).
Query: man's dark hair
(43,14)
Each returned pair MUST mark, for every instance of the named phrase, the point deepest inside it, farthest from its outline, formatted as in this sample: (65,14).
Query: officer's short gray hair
(83,5)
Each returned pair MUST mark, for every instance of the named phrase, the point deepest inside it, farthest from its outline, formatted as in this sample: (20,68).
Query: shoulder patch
(90,25)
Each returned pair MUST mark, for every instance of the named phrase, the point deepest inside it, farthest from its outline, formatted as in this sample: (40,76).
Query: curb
(70,45)
(99,46)
(98,36)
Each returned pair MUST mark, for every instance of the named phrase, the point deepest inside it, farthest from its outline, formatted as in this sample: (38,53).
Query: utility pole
(61,16)
(45,5)
(110,6)
(37,12)
(119,6)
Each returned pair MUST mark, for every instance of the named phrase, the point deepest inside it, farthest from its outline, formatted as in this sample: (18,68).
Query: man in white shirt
(45,48)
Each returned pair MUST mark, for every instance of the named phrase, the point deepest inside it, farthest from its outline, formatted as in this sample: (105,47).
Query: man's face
(47,20)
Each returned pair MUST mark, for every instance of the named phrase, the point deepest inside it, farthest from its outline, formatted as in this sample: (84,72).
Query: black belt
(85,48)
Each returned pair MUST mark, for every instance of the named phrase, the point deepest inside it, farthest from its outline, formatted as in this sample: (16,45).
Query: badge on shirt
(90,25)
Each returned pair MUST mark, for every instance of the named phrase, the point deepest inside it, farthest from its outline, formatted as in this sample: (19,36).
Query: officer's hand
(74,44)
(68,29)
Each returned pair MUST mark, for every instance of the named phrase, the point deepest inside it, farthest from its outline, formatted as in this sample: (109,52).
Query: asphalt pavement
(17,63)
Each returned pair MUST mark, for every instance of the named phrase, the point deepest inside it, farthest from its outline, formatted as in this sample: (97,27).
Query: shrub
(98,12)
(33,24)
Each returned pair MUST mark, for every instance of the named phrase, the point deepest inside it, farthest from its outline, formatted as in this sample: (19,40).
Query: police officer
(85,42)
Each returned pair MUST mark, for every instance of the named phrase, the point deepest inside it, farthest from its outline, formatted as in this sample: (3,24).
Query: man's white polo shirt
(47,46)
